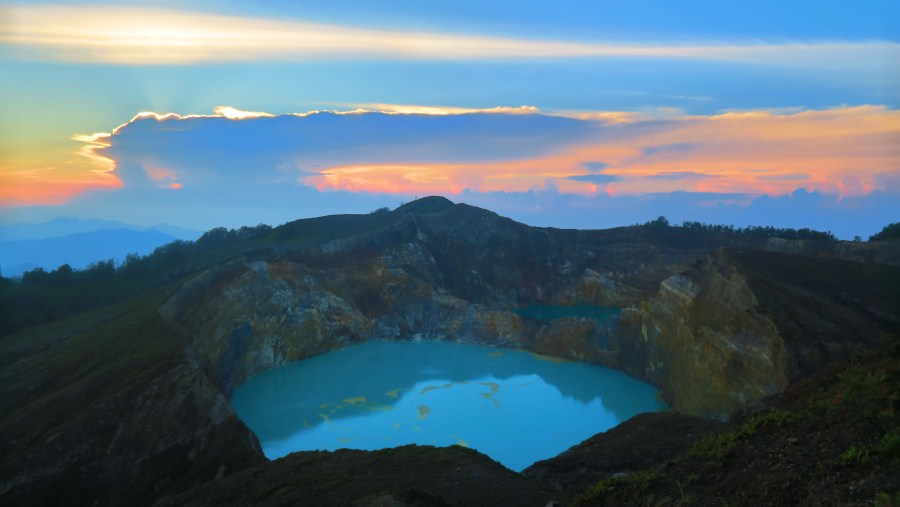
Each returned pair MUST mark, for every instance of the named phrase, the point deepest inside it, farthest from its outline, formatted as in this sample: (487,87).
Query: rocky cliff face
(703,341)
(251,316)
(741,324)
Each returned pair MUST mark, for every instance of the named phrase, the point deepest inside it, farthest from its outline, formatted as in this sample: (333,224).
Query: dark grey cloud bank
(215,152)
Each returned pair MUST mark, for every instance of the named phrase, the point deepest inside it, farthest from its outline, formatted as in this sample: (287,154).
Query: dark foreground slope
(129,403)
(408,475)
(833,439)
(107,409)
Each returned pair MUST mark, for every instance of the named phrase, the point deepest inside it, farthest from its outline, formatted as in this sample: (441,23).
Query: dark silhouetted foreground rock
(408,475)
(832,439)
(637,444)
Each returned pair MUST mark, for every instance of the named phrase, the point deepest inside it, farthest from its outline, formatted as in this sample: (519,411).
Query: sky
(587,114)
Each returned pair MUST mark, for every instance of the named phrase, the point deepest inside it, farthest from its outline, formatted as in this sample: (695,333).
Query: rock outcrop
(742,324)
(703,341)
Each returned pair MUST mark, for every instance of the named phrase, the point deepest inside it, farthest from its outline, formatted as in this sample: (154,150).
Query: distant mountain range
(79,243)
(64,226)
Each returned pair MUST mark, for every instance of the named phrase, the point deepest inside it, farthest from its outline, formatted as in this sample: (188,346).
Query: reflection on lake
(514,406)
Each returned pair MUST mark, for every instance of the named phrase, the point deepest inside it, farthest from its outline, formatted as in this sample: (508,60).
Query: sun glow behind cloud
(58,177)
(140,36)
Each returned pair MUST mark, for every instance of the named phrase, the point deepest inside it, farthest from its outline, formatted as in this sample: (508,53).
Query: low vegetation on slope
(833,439)
(105,409)
(402,476)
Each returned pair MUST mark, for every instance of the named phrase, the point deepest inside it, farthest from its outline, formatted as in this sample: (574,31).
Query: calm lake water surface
(514,406)
(548,313)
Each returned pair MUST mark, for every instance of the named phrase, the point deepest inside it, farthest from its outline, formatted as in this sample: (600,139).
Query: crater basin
(514,406)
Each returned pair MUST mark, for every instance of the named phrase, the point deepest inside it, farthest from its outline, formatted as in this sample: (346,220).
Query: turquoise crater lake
(514,406)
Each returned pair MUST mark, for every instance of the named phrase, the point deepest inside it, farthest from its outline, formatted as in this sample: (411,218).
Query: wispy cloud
(139,35)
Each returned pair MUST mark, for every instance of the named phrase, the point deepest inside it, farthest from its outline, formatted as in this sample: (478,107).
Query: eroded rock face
(251,316)
(699,338)
(703,342)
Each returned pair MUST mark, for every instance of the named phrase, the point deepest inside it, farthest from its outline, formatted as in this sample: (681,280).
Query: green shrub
(639,481)
(855,456)
(889,447)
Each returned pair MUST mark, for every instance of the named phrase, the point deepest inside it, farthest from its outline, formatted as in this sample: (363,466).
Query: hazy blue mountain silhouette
(78,250)
(64,226)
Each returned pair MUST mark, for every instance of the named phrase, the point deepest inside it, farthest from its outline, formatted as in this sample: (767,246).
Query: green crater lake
(514,406)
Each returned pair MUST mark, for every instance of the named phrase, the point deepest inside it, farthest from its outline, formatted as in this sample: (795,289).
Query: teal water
(548,313)
(514,406)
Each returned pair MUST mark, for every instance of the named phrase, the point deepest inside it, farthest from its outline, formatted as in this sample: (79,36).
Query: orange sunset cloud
(833,151)
(25,185)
